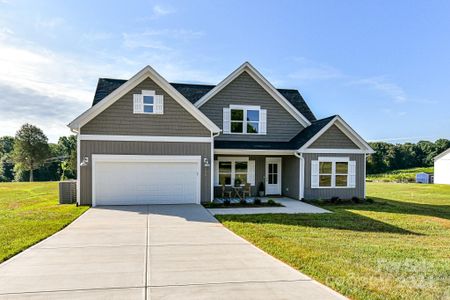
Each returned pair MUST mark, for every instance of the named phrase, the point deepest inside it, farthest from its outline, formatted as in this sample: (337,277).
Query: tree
(30,149)
(68,149)
(6,165)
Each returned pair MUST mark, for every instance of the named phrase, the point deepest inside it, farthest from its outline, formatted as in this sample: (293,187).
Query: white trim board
(147,72)
(138,138)
(147,158)
(331,150)
(253,152)
(346,129)
(264,83)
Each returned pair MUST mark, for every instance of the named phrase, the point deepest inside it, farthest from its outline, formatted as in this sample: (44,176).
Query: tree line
(389,157)
(28,156)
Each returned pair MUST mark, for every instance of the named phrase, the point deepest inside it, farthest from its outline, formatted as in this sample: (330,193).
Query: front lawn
(395,248)
(29,212)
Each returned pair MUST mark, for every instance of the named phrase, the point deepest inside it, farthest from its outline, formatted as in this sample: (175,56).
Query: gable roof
(442,154)
(124,87)
(345,128)
(303,139)
(264,83)
(193,92)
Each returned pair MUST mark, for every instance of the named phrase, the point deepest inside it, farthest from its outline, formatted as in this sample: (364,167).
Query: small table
(238,190)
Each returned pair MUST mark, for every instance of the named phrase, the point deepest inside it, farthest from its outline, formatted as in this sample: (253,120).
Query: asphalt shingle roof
(295,143)
(193,92)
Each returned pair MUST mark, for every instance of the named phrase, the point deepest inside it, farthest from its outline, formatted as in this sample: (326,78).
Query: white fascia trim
(264,83)
(346,129)
(345,151)
(137,138)
(334,159)
(96,158)
(442,154)
(78,168)
(147,72)
(254,152)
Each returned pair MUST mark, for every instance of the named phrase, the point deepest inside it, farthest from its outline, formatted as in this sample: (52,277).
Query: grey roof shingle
(193,92)
(295,143)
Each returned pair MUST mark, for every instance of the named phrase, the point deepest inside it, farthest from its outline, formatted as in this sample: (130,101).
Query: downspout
(213,135)
(301,180)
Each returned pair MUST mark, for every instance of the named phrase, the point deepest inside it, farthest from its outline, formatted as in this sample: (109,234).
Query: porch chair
(224,191)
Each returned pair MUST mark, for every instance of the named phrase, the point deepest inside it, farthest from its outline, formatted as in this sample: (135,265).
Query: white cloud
(160,11)
(49,89)
(158,39)
(390,89)
(49,23)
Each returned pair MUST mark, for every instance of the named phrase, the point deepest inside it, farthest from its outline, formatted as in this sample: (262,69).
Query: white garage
(142,179)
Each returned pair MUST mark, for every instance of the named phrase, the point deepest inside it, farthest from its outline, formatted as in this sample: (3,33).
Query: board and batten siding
(244,90)
(327,193)
(289,174)
(333,138)
(119,119)
(87,148)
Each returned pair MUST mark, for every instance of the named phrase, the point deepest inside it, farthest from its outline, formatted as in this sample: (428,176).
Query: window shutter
(158,104)
(138,105)
(352,173)
(226,120)
(251,172)
(263,121)
(216,173)
(314,174)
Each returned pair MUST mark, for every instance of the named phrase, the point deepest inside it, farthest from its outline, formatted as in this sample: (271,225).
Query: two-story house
(148,141)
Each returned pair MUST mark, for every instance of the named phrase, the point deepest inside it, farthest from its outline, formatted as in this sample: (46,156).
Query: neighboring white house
(442,168)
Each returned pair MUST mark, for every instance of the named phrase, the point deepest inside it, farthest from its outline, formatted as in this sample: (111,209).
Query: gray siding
(141,148)
(327,193)
(118,119)
(333,138)
(289,174)
(244,90)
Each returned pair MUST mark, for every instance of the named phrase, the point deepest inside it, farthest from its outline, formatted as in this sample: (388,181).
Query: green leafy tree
(6,165)
(68,150)
(30,149)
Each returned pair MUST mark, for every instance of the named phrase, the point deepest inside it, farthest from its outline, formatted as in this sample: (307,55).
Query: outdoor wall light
(85,162)
(205,162)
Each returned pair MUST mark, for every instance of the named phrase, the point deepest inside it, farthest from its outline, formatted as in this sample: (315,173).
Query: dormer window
(241,119)
(148,103)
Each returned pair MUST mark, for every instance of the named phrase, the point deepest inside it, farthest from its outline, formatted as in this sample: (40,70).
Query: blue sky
(384,66)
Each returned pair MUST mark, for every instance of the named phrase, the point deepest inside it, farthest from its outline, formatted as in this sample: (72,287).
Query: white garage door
(125,180)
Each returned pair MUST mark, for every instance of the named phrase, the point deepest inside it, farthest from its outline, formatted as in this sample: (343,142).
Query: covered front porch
(238,177)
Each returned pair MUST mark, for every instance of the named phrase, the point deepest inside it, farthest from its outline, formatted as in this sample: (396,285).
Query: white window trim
(333,174)
(233,161)
(148,93)
(246,108)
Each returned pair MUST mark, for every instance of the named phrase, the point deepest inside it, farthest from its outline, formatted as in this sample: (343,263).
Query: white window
(241,119)
(234,171)
(333,172)
(148,103)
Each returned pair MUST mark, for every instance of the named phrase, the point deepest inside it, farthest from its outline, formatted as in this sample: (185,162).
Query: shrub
(335,200)
(369,200)
(271,202)
(226,202)
(243,202)
(257,201)
(356,200)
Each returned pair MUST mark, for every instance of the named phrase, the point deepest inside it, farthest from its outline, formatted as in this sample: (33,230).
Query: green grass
(404,175)
(396,248)
(29,212)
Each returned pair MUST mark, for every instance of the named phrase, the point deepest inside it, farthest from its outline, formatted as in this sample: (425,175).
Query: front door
(273,176)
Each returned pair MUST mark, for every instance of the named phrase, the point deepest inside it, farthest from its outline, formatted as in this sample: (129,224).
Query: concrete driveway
(151,252)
